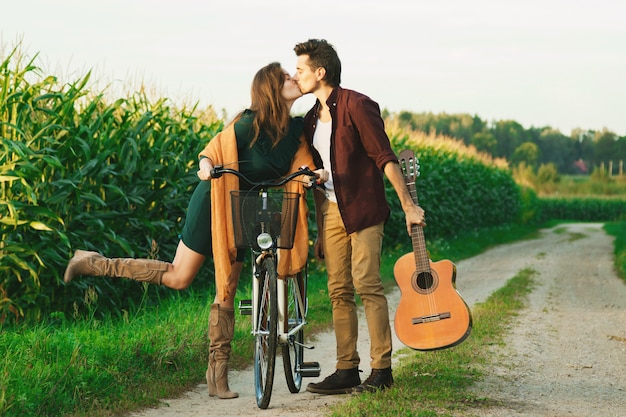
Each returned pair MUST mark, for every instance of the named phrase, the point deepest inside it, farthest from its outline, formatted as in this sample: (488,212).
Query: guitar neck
(422,261)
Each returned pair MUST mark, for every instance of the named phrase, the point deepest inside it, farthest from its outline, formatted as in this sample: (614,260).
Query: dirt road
(565,355)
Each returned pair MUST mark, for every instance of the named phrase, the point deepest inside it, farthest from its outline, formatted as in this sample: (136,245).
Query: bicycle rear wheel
(293,351)
(265,333)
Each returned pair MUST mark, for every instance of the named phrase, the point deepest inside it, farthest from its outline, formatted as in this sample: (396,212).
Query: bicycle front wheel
(293,351)
(265,333)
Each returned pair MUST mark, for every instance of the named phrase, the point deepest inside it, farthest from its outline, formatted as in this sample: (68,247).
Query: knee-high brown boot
(221,329)
(93,264)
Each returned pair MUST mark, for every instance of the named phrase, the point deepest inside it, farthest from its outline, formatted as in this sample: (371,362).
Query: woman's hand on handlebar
(204,173)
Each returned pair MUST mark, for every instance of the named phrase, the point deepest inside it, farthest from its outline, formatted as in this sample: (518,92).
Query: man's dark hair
(322,54)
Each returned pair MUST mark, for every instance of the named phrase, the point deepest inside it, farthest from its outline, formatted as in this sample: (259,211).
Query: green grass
(98,367)
(590,185)
(618,229)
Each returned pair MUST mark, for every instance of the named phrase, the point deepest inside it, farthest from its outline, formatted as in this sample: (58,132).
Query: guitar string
(421,254)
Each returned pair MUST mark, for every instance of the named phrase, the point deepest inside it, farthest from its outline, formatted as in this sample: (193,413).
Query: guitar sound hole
(424,282)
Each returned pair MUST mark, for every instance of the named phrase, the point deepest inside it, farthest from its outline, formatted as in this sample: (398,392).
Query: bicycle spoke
(266,334)
(293,351)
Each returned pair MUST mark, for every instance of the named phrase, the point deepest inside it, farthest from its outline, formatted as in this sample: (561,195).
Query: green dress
(262,162)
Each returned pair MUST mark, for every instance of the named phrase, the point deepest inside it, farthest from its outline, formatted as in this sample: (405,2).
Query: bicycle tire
(293,351)
(266,337)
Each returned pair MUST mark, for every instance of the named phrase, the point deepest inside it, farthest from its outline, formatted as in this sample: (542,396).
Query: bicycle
(264,221)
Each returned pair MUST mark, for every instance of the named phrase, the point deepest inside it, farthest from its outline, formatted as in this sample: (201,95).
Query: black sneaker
(342,381)
(379,379)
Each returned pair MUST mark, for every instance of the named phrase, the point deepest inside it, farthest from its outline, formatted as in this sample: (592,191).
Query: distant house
(580,166)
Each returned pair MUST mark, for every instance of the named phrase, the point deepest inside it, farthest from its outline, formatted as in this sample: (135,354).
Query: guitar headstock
(410,165)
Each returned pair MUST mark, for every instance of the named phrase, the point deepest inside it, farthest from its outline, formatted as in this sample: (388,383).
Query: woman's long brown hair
(270,109)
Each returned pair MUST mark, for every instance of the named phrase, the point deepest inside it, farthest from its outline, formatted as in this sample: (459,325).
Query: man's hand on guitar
(415,215)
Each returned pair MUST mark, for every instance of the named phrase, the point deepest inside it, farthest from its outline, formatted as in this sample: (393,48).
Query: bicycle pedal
(245,307)
(310,369)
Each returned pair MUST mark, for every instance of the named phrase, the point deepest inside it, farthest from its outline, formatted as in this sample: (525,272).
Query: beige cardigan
(222,150)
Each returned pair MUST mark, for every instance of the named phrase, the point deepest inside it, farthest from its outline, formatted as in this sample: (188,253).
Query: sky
(557,63)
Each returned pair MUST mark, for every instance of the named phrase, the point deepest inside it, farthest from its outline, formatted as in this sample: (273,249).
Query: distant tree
(405,118)
(422,121)
(484,142)
(585,146)
(605,146)
(478,125)
(461,127)
(556,148)
(509,135)
(620,148)
(547,173)
(527,153)
(547,178)
(620,152)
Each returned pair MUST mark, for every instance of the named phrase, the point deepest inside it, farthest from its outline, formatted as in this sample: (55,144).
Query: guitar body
(431,314)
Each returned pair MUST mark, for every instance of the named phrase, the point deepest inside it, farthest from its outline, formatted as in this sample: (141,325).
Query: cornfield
(80,172)
(460,189)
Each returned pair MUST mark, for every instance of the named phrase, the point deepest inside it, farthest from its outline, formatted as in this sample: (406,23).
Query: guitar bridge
(431,318)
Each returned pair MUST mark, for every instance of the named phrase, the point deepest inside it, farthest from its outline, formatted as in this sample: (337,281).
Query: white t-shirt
(321,142)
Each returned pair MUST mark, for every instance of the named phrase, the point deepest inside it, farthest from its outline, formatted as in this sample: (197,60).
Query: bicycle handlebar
(219,170)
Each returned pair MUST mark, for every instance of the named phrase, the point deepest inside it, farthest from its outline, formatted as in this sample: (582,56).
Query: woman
(268,144)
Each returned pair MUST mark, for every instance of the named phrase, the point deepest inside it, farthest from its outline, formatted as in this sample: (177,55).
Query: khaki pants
(353,263)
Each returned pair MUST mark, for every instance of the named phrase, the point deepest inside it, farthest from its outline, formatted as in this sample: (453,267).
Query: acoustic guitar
(431,314)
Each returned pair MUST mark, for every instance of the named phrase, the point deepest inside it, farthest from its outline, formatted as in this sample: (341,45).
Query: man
(347,132)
